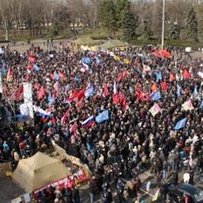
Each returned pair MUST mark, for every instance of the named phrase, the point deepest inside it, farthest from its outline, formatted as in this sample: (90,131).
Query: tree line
(137,19)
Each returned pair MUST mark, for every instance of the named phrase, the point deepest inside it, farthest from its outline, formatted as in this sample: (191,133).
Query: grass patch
(184,43)
(101,34)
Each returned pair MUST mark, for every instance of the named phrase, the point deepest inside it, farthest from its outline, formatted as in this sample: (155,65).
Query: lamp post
(163,24)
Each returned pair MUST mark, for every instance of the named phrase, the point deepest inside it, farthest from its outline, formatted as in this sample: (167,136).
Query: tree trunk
(6,30)
(6,34)
(95,17)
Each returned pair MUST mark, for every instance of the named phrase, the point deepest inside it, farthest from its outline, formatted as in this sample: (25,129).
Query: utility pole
(163,24)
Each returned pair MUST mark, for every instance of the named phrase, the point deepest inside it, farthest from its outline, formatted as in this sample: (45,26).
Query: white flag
(156,195)
(155,109)
(188,105)
(41,111)
(27,93)
(24,109)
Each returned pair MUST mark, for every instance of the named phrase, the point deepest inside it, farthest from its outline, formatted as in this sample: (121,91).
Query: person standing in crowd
(175,177)
(120,113)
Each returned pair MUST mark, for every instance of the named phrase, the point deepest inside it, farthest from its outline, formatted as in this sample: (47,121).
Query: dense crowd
(100,109)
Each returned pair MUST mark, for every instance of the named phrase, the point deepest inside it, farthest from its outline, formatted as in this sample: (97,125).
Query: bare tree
(34,16)
(7,13)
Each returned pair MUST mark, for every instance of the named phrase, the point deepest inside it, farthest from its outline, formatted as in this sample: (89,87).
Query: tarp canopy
(163,53)
(38,171)
(113,44)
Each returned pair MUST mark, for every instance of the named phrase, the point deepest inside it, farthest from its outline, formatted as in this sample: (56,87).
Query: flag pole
(163,24)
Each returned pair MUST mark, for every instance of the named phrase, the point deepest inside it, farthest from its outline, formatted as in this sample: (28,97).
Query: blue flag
(36,67)
(201,105)
(155,96)
(104,116)
(178,91)
(21,118)
(86,60)
(158,76)
(97,60)
(180,124)
(50,99)
(56,76)
(89,91)
(67,87)
(195,92)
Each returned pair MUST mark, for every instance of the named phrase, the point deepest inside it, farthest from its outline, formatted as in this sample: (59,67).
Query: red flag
(61,76)
(81,94)
(36,86)
(119,77)
(65,117)
(122,75)
(73,127)
(116,98)
(162,53)
(53,120)
(164,86)
(56,87)
(32,59)
(52,76)
(125,74)
(119,99)
(145,96)
(123,101)
(73,96)
(77,95)
(80,104)
(105,91)
(9,76)
(171,77)
(186,74)
(30,67)
(138,93)
(16,96)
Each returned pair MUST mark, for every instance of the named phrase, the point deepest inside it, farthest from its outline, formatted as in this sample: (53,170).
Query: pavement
(9,190)
(23,46)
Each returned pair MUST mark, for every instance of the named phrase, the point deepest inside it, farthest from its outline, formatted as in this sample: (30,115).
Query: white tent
(38,171)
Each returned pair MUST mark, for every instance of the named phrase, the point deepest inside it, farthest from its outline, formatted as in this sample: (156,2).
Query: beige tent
(38,171)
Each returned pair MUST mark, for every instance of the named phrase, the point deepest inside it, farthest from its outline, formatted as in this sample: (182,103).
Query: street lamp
(163,24)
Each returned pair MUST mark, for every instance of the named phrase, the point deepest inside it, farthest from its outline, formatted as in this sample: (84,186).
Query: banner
(27,94)
(72,180)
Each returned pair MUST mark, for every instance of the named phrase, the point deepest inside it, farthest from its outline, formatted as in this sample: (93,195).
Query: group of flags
(118,97)
(88,122)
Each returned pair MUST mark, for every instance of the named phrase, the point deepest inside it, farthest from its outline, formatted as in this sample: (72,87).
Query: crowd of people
(121,112)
